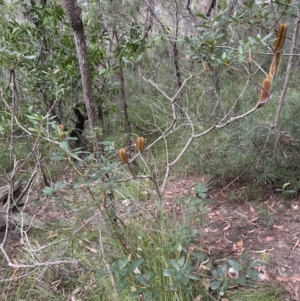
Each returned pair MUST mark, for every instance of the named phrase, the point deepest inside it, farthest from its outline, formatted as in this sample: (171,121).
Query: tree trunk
(74,15)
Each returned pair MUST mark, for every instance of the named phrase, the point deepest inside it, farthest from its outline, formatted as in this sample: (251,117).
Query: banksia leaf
(281,33)
(140,143)
(265,91)
(123,155)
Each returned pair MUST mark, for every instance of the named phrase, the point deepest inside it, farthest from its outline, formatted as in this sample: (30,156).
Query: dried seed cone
(123,155)
(265,91)
(281,34)
(140,143)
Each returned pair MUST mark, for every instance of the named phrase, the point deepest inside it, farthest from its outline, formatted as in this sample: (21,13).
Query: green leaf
(191,276)
(175,265)
(215,284)
(139,278)
(122,263)
(48,190)
(235,265)
(148,295)
(54,188)
(240,49)
(253,275)
(202,16)
(135,264)
(168,272)
(64,146)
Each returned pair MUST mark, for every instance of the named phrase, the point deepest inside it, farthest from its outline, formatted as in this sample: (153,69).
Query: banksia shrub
(140,143)
(281,33)
(123,155)
(265,91)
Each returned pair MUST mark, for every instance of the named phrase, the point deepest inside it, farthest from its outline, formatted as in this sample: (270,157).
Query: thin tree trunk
(179,101)
(285,86)
(176,65)
(74,16)
(123,98)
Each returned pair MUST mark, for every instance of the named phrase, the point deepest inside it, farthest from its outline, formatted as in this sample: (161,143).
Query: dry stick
(194,136)
(285,86)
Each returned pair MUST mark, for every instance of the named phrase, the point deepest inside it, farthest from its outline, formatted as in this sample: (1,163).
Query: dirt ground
(268,230)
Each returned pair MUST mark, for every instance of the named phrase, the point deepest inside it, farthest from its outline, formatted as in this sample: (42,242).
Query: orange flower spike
(123,155)
(140,143)
(265,91)
(281,34)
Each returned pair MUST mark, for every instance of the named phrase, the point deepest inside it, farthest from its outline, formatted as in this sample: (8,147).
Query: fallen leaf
(280,228)
(296,278)
(226,227)
(270,238)
(282,279)
(223,194)
(52,235)
(92,250)
(271,208)
(252,210)
(239,244)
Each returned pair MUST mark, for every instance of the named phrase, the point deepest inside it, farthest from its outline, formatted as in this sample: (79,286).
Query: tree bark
(74,15)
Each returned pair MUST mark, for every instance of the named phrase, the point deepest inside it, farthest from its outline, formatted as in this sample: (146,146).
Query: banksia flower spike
(140,144)
(281,33)
(123,155)
(62,127)
(265,91)
(60,131)
(275,64)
